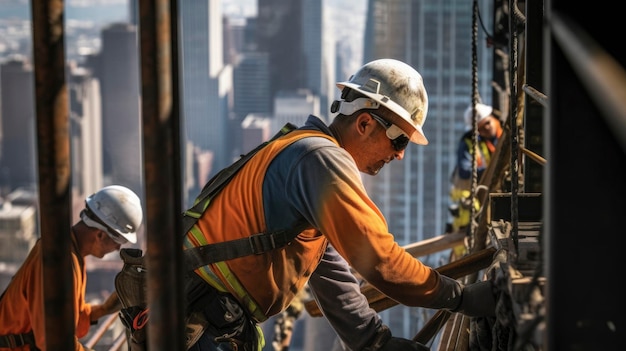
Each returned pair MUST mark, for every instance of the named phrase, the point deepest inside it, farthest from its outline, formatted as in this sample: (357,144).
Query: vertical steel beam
(584,219)
(161,141)
(53,145)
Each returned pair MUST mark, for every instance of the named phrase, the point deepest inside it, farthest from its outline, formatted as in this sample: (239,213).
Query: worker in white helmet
(489,132)
(109,220)
(313,175)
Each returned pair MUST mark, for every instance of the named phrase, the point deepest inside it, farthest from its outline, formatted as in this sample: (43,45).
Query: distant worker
(489,132)
(109,220)
(312,175)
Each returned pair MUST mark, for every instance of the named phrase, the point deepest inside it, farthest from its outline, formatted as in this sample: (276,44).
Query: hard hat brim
(130,237)
(401,117)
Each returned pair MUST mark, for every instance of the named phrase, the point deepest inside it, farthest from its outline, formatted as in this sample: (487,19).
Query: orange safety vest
(262,274)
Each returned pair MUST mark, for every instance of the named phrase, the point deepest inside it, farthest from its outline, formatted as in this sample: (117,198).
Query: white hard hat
(398,87)
(116,210)
(482,111)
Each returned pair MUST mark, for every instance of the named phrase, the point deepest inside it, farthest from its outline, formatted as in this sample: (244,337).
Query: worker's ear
(362,121)
(101,234)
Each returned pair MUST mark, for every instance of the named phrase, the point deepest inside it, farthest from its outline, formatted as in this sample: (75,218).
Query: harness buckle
(261,243)
(16,340)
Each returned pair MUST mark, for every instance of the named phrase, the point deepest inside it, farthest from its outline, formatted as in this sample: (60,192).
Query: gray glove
(385,342)
(478,300)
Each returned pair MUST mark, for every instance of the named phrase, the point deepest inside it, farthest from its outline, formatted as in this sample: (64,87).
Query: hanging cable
(472,224)
(482,25)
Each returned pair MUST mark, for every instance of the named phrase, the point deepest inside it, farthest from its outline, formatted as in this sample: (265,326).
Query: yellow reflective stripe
(195,215)
(193,239)
(485,152)
(240,292)
(260,338)
(207,274)
(196,238)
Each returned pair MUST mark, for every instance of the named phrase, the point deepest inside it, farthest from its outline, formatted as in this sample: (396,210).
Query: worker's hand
(478,300)
(111,305)
(395,344)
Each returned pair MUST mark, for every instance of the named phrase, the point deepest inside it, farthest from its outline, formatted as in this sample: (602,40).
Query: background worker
(489,131)
(109,220)
(313,175)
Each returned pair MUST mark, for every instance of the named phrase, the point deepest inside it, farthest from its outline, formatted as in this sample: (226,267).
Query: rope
(472,224)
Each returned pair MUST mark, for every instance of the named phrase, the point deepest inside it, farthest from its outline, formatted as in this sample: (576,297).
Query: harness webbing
(197,257)
(13,341)
(255,244)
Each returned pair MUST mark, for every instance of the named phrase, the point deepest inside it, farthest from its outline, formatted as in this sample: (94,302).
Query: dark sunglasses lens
(400,143)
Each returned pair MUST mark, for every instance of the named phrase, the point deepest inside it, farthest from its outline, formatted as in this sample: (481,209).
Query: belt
(13,341)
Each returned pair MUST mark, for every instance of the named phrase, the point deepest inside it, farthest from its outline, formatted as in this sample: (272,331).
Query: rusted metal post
(161,142)
(53,151)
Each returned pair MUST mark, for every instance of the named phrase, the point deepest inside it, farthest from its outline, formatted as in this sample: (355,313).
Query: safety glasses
(93,221)
(399,140)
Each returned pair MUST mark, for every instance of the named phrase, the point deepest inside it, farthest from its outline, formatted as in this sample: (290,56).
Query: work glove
(384,341)
(478,300)
(130,282)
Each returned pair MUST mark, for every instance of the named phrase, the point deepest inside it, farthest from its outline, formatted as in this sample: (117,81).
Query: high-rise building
(206,81)
(279,33)
(17,111)
(255,129)
(251,85)
(318,45)
(86,131)
(121,116)
(18,231)
(295,107)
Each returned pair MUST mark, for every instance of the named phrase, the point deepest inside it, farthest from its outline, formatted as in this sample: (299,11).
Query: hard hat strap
(347,108)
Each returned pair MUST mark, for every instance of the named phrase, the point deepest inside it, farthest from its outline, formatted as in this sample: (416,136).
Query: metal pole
(161,133)
(53,140)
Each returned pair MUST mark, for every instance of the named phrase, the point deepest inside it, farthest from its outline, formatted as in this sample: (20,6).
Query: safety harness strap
(13,341)
(197,257)
(256,244)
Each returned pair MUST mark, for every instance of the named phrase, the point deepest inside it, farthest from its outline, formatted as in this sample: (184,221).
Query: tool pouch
(222,315)
(131,287)
(130,284)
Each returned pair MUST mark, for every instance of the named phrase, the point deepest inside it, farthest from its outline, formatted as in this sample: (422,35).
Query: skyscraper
(17,111)
(318,45)
(279,33)
(206,81)
(251,85)
(121,118)
(86,131)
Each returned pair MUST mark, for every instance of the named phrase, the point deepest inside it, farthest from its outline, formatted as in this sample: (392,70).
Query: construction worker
(109,220)
(313,176)
(489,131)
